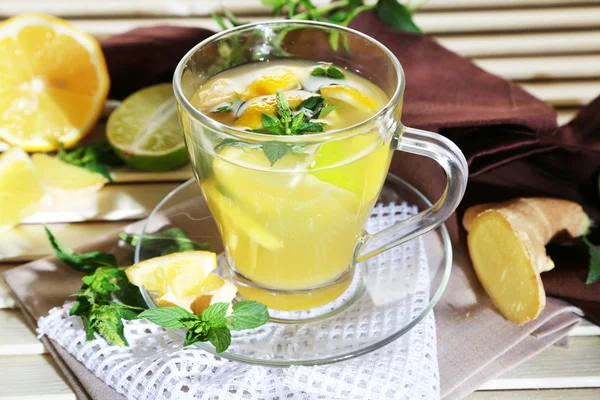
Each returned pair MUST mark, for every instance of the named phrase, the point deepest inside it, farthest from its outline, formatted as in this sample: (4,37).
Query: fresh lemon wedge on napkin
(54,82)
(184,279)
(20,189)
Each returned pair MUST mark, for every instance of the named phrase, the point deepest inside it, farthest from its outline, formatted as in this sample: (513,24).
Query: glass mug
(293,231)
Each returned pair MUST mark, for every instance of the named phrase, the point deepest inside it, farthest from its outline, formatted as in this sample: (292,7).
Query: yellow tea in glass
(291,141)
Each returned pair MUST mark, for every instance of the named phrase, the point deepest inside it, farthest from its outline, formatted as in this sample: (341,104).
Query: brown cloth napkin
(513,146)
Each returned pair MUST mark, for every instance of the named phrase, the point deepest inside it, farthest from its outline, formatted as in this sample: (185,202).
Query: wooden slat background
(550,47)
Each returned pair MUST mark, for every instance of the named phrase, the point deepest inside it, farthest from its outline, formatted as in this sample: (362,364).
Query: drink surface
(293,223)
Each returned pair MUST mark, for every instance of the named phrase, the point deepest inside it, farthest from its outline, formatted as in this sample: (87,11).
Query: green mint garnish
(171,240)
(213,325)
(225,108)
(329,72)
(95,157)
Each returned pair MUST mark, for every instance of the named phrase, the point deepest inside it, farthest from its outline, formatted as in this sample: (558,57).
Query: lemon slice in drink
(349,95)
(145,132)
(233,217)
(270,82)
(20,189)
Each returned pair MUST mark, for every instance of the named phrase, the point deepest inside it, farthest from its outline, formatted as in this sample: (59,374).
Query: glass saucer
(388,296)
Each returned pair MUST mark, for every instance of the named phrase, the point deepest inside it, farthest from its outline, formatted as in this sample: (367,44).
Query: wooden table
(551,47)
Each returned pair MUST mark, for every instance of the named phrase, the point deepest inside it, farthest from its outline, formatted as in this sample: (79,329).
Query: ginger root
(507,247)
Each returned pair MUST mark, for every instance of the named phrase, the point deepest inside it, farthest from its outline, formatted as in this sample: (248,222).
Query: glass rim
(313,137)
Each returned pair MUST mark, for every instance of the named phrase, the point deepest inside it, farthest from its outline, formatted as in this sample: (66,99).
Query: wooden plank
(586,328)
(547,67)
(558,394)
(29,242)
(434,22)
(114,8)
(7,301)
(575,367)
(508,20)
(565,94)
(565,115)
(523,44)
(112,203)
(32,377)
(16,338)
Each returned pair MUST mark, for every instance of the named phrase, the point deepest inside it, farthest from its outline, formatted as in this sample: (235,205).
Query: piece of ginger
(507,247)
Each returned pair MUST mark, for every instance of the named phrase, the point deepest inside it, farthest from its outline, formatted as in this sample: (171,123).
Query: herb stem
(355,12)
(321,10)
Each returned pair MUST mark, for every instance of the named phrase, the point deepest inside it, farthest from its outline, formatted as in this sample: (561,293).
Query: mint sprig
(213,325)
(171,240)
(95,157)
(394,13)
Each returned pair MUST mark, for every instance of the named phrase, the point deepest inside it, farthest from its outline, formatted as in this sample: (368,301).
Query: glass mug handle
(451,159)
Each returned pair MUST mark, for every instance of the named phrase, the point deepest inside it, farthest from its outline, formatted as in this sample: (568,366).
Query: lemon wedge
(183,279)
(349,95)
(65,181)
(20,189)
(270,82)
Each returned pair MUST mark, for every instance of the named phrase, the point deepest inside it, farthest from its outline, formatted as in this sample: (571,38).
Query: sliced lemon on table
(54,82)
(183,279)
(66,181)
(270,82)
(349,95)
(20,189)
(145,132)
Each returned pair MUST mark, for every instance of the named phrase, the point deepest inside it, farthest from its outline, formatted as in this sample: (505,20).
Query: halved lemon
(20,189)
(349,95)
(270,82)
(54,82)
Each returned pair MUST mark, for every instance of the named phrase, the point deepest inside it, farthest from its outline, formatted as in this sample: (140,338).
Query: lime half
(145,132)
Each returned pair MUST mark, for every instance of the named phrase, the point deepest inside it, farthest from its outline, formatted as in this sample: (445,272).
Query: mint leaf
(335,73)
(594,252)
(225,108)
(94,157)
(85,262)
(284,111)
(272,124)
(297,120)
(330,72)
(327,109)
(275,151)
(396,15)
(107,319)
(214,315)
(311,127)
(318,72)
(168,317)
(220,337)
(171,240)
(197,332)
(248,315)
(103,281)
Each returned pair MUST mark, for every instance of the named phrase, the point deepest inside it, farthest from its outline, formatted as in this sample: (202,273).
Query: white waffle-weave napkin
(155,366)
